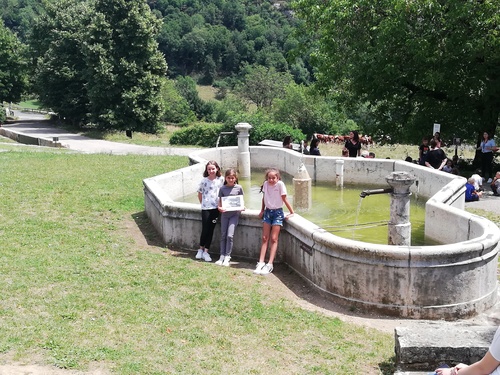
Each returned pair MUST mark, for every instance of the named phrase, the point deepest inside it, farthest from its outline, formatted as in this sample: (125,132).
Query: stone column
(302,200)
(243,129)
(399,231)
(339,172)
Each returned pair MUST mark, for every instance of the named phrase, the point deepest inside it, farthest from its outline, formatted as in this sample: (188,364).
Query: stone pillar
(302,200)
(399,231)
(243,129)
(339,172)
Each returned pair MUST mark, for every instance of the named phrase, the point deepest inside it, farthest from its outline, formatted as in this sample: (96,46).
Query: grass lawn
(85,280)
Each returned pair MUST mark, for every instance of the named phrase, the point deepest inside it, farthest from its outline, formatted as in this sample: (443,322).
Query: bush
(3,116)
(275,132)
(200,134)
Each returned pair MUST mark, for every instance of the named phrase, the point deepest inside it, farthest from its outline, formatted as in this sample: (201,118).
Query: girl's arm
(200,197)
(486,365)
(288,205)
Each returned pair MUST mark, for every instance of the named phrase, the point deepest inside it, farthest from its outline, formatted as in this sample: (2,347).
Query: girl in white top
(272,218)
(489,364)
(208,195)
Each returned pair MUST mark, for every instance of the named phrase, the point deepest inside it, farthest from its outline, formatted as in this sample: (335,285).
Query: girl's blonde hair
(229,172)
(212,162)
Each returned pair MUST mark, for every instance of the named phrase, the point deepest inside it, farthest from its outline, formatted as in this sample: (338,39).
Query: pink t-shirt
(272,195)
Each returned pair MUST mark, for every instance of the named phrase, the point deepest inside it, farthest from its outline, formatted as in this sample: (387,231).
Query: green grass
(30,104)
(85,280)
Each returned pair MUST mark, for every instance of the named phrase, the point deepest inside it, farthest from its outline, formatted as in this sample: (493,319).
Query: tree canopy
(414,62)
(13,67)
(98,61)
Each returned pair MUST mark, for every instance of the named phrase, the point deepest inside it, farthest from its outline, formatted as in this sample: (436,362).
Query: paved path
(34,124)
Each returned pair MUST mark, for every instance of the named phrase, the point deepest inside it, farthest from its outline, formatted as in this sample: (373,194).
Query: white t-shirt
(209,190)
(478,181)
(495,350)
(272,195)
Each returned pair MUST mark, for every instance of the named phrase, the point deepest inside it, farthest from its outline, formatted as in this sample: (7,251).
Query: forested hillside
(207,39)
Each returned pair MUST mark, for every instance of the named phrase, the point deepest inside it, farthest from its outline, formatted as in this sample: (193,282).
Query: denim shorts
(273,217)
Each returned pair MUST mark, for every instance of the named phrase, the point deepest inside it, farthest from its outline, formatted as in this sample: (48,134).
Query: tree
(98,61)
(56,46)
(263,85)
(13,67)
(125,67)
(414,62)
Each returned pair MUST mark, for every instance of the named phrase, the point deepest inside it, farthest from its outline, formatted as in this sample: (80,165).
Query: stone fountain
(455,279)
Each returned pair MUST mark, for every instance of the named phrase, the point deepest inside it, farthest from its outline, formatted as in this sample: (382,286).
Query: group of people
(352,146)
(213,188)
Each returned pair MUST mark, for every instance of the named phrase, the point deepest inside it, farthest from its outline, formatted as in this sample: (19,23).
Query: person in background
(272,216)
(228,219)
(287,142)
(371,155)
(448,167)
(422,150)
(487,147)
(495,184)
(314,150)
(435,158)
(489,364)
(304,147)
(208,195)
(471,195)
(437,138)
(352,145)
(478,180)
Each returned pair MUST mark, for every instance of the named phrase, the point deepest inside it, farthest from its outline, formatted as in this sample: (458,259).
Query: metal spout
(368,192)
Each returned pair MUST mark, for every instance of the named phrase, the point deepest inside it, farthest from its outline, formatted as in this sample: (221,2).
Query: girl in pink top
(272,218)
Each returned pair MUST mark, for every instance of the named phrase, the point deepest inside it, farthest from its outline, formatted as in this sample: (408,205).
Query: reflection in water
(341,211)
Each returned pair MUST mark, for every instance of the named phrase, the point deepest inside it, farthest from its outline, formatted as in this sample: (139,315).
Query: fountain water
(450,281)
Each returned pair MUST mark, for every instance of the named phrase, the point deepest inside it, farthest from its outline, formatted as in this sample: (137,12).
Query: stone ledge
(423,348)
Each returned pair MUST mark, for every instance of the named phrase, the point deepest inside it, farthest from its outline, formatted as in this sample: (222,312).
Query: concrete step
(424,348)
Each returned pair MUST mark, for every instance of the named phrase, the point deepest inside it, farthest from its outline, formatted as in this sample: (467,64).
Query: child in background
(229,219)
(272,218)
(448,167)
(495,184)
(478,180)
(208,195)
(471,195)
(422,150)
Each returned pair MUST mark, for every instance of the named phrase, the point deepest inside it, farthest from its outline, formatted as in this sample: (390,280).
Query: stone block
(424,347)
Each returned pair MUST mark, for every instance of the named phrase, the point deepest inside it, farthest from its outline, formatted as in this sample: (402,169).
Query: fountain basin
(451,281)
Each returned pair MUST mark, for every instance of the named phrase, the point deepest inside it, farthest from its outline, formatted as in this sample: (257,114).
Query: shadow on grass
(388,367)
(148,231)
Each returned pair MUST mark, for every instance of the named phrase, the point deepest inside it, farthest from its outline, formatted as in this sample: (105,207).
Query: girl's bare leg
(275,232)
(266,230)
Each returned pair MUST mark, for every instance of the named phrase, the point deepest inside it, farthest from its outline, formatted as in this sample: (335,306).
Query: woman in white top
(487,147)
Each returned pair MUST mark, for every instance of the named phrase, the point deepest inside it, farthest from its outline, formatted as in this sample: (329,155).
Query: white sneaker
(259,267)
(206,256)
(199,254)
(220,261)
(489,181)
(266,270)
(226,261)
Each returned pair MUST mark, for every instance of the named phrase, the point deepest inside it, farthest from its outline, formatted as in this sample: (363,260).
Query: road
(37,125)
